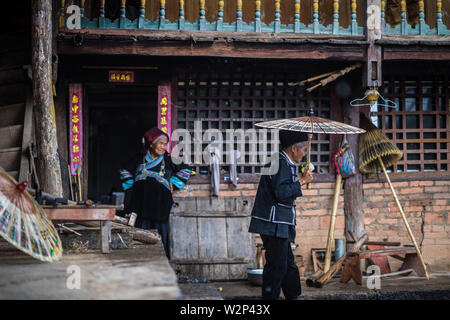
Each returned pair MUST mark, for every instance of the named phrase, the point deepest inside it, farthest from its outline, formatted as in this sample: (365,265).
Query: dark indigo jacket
(281,188)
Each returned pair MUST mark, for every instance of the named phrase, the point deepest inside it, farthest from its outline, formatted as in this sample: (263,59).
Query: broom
(376,151)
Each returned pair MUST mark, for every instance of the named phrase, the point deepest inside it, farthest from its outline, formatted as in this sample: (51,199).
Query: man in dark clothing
(273,217)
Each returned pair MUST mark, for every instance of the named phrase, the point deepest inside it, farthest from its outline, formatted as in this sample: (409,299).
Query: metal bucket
(255,276)
(339,247)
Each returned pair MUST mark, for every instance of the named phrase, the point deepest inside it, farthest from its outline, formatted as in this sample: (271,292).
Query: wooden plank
(104,236)
(237,228)
(10,159)
(12,114)
(216,49)
(183,238)
(12,93)
(11,76)
(212,261)
(212,214)
(80,206)
(27,136)
(212,238)
(385,252)
(10,136)
(100,214)
(415,53)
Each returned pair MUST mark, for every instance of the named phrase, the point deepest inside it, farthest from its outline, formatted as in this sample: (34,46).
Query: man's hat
(288,138)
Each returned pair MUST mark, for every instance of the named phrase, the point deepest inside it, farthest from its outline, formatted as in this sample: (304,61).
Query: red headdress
(151,136)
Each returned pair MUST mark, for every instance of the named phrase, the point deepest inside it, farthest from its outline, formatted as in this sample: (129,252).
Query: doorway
(118,117)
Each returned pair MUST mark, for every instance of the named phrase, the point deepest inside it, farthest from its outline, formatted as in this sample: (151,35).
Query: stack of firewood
(320,278)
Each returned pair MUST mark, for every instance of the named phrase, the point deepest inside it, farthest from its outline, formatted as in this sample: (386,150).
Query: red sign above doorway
(121,76)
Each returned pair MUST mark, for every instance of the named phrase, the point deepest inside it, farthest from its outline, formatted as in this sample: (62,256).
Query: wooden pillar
(48,162)
(353,190)
(372,70)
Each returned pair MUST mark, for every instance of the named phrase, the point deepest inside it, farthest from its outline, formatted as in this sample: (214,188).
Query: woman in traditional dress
(151,176)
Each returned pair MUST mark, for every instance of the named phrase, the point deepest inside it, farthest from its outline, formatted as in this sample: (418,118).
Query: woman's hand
(171,187)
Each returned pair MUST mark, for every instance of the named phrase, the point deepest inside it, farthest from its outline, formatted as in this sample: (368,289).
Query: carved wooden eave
(212,44)
(415,47)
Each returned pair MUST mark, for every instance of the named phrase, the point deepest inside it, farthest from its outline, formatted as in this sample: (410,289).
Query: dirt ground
(391,288)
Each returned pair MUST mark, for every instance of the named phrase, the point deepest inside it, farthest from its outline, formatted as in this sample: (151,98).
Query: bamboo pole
(411,236)
(308,186)
(337,191)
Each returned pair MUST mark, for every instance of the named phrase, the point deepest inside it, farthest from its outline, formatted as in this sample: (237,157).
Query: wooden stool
(411,262)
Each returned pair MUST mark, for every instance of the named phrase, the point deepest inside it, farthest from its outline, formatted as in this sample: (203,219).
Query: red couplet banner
(76,127)
(164,110)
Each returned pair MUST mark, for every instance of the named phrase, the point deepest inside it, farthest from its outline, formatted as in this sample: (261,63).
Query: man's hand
(306,178)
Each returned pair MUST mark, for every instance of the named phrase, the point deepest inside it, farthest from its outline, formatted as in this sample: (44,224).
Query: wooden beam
(47,144)
(416,53)
(96,214)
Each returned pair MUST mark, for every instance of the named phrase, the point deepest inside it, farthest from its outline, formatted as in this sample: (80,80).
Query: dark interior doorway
(118,116)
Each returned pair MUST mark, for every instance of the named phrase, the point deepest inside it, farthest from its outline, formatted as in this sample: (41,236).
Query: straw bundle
(373,144)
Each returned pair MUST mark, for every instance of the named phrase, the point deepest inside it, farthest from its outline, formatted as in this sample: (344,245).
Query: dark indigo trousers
(280,270)
(163,230)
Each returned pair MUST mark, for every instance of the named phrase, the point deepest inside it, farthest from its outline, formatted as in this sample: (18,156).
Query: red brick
(180,193)
(319,212)
(445,241)
(235,193)
(326,192)
(440,202)
(434,218)
(438,189)
(248,193)
(325,185)
(421,183)
(310,192)
(428,241)
(398,184)
(200,193)
(438,228)
(376,198)
(422,203)
(372,186)
(247,186)
(442,183)
(388,221)
(437,235)
(411,190)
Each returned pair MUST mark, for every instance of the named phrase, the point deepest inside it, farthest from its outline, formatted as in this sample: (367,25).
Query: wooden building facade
(231,64)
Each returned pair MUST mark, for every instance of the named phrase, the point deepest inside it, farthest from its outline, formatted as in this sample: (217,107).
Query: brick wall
(425,203)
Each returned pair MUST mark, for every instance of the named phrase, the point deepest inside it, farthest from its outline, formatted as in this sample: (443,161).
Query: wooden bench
(379,257)
(102,213)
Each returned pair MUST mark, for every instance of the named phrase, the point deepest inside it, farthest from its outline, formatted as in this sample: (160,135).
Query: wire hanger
(371,98)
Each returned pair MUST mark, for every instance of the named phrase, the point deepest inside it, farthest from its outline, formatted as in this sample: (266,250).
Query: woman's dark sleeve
(180,173)
(127,171)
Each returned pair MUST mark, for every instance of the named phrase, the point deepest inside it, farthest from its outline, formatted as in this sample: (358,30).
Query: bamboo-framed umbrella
(24,224)
(312,124)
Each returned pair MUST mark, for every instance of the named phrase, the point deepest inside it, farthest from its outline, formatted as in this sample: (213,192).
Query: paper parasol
(24,224)
(311,124)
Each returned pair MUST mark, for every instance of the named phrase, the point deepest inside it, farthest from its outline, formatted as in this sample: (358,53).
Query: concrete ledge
(138,273)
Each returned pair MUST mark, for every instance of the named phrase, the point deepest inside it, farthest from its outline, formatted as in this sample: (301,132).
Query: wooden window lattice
(237,100)
(419,126)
